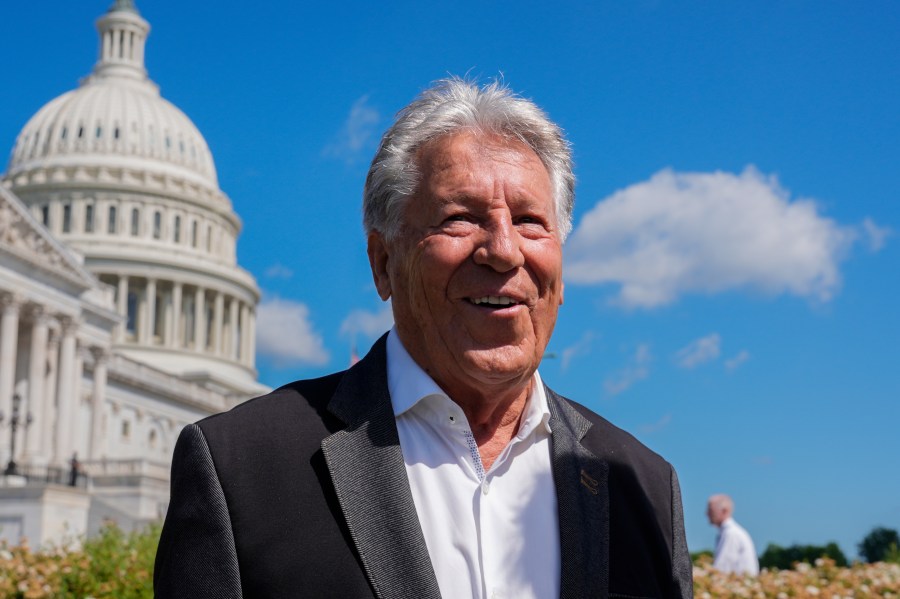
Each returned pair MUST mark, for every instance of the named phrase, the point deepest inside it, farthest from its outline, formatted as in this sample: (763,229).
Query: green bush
(784,558)
(112,565)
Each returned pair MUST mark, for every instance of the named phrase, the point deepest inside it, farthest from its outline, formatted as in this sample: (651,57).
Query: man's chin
(501,363)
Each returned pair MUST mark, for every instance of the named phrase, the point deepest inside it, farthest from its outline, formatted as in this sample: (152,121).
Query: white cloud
(638,369)
(580,348)
(278,271)
(285,334)
(699,351)
(734,363)
(356,133)
(874,235)
(655,427)
(681,233)
(371,324)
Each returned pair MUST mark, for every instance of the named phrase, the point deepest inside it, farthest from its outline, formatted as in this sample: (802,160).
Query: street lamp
(13,426)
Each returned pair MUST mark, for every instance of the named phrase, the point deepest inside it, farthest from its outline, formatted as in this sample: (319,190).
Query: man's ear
(378,261)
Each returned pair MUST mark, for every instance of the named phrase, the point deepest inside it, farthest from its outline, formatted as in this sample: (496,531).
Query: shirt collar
(408,385)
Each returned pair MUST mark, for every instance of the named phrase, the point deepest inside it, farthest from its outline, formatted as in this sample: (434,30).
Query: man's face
(475,273)
(714,514)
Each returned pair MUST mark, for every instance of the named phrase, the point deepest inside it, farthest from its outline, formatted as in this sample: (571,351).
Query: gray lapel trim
(582,493)
(369,476)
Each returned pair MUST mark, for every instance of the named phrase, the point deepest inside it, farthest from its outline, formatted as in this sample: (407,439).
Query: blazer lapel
(583,496)
(369,476)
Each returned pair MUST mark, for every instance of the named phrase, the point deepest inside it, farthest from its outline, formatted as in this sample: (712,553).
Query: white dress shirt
(490,534)
(734,550)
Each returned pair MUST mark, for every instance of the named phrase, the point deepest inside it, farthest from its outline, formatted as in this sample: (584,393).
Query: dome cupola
(115,117)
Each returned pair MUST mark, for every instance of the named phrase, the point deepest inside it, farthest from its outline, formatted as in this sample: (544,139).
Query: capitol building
(124,315)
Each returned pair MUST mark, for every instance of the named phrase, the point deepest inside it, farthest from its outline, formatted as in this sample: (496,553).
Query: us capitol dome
(124,178)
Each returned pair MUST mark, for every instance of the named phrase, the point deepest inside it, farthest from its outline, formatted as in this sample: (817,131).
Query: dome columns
(123,34)
(184,317)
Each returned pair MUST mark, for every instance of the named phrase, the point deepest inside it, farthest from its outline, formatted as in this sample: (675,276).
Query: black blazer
(303,493)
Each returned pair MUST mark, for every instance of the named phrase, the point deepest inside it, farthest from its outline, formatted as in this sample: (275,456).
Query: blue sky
(733,273)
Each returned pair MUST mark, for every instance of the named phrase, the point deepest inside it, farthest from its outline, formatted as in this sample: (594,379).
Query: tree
(784,558)
(877,544)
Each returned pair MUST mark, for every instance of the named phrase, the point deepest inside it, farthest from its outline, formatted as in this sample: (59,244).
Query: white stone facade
(123,313)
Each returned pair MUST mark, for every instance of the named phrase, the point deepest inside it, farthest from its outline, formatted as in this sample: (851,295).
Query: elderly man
(440,465)
(734,547)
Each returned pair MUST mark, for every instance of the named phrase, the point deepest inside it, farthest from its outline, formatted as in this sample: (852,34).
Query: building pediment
(23,237)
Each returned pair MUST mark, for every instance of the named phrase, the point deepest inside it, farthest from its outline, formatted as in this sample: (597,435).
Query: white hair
(450,106)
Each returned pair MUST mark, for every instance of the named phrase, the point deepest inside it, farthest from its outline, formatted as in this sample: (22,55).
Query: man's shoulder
(302,403)
(615,445)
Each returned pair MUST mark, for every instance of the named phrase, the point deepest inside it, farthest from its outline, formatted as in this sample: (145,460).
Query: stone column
(9,340)
(251,339)
(37,372)
(218,316)
(122,306)
(199,319)
(177,340)
(47,424)
(97,443)
(149,325)
(245,334)
(75,422)
(233,326)
(66,385)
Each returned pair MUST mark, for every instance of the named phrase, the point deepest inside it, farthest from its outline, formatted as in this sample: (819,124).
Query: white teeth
(494,300)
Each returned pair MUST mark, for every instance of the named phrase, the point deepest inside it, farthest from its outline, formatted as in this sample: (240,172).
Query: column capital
(37,313)
(100,354)
(11,301)
(68,324)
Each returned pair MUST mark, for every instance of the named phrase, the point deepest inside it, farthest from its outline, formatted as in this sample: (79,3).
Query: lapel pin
(590,483)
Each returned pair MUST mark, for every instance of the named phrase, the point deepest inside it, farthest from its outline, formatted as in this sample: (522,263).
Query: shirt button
(452,419)
(485,488)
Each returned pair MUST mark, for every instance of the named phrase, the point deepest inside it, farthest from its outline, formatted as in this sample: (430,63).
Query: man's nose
(500,247)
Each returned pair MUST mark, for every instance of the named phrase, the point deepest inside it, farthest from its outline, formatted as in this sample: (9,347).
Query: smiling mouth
(494,301)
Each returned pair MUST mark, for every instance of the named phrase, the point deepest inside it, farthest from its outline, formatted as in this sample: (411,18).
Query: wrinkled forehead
(470,155)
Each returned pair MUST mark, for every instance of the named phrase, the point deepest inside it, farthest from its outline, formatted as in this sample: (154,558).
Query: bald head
(719,508)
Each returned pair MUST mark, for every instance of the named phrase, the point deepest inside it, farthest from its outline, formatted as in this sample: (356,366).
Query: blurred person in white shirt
(734,547)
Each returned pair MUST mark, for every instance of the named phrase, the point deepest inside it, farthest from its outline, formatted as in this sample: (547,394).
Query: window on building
(67,218)
(151,439)
(187,317)
(157,224)
(159,320)
(209,232)
(177,229)
(135,221)
(89,218)
(45,215)
(210,316)
(126,429)
(194,234)
(111,222)
(131,322)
